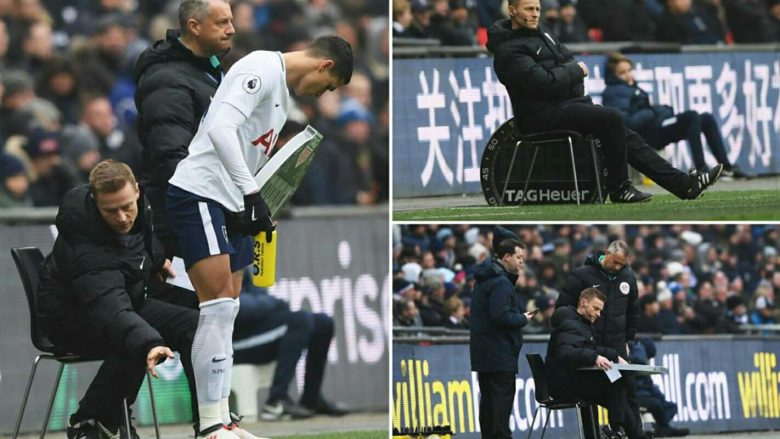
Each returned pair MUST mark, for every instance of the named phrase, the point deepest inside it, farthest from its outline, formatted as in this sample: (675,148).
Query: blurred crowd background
(692,279)
(66,90)
(465,22)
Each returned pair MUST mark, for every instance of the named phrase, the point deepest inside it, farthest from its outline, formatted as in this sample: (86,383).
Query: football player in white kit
(214,205)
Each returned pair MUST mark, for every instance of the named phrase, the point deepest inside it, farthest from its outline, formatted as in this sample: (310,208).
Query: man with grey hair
(610,273)
(177,77)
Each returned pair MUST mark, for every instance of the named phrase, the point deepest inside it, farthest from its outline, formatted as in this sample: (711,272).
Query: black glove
(256,216)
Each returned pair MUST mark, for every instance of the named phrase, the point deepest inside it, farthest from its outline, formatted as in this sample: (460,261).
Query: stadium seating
(28,260)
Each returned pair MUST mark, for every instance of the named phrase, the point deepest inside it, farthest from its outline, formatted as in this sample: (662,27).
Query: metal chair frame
(544,400)
(538,139)
(22,257)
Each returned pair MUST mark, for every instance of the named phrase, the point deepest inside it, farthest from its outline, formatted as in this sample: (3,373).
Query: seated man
(91,298)
(546,86)
(571,347)
(265,331)
(650,396)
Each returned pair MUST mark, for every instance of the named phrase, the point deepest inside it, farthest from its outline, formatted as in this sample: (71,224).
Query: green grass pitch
(754,205)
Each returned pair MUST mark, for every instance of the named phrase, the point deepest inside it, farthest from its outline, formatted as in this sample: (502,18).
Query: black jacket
(634,105)
(572,345)
(497,319)
(96,277)
(539,73)
(174,91)
(618,321)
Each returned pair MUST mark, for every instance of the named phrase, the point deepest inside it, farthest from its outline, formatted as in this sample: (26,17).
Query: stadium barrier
(719,383)
(453,104)
(331,260)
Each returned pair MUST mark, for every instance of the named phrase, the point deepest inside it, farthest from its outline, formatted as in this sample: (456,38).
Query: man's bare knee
(212,278)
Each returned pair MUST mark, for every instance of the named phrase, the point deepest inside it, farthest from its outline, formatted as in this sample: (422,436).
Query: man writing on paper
(609,272)
(572,346)
(214,203)
(92,296)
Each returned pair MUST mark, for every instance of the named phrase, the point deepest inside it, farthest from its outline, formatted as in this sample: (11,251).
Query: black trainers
(325,407)
(609,433)
(702,180)
(671,432)
(627,193)
(89,429)
(284,409)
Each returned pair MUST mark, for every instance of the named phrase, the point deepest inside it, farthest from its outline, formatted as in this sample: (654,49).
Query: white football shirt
(257,87)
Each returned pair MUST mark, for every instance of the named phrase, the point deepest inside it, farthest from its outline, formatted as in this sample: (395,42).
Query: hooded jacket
(572,345)
(497,319)
(618,321)
(96,277)
(174,91)
(634,105)
(540,74)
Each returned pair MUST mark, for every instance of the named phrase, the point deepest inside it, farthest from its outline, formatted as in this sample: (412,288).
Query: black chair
(537,139)
(544,399)
(28,261)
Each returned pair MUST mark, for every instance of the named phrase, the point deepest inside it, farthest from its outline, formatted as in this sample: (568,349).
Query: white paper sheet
(613,374)
(181,279)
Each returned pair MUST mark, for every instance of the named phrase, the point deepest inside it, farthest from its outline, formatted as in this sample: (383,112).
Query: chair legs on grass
(34,368)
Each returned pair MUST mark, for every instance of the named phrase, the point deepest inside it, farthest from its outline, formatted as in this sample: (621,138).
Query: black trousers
(622,146)
(689,126)
(594,386)
(663,411)
(497,394)
(305,330)
(121,374)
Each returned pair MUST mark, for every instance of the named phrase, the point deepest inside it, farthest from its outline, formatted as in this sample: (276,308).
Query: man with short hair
(214,203)
(177,77)
(92,302)
(497,322)
(609,272)
(571,347)
(546,86)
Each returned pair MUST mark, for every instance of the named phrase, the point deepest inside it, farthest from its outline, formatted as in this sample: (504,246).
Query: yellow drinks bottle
(264,263)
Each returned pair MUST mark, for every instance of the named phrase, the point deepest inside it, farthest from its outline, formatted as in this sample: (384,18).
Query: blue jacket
(634,105)
(497,319)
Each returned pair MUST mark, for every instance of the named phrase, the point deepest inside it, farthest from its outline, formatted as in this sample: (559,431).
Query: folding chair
(544,400)
(28,261)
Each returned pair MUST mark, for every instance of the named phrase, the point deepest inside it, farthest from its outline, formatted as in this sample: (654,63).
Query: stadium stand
(62,62)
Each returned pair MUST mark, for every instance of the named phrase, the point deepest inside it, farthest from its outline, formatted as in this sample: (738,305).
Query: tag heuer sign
(552,180)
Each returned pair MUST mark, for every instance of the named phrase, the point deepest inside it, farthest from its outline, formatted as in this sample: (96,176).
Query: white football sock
(209,358)
(224,406)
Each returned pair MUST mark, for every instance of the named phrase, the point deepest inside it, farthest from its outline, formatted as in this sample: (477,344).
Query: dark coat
(174,91)
(497,319)
(572,345)
(634,105)
(540,74)
(97,277)
(618,321)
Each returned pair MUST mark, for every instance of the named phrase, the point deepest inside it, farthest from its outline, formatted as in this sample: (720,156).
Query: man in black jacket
(545,85)
(571,347)
(177,77)
(497,322)
(91,299)
(609,272)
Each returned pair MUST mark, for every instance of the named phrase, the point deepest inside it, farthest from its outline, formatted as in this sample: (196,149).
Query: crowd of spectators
(67,87)
(692,279)
(464,22)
